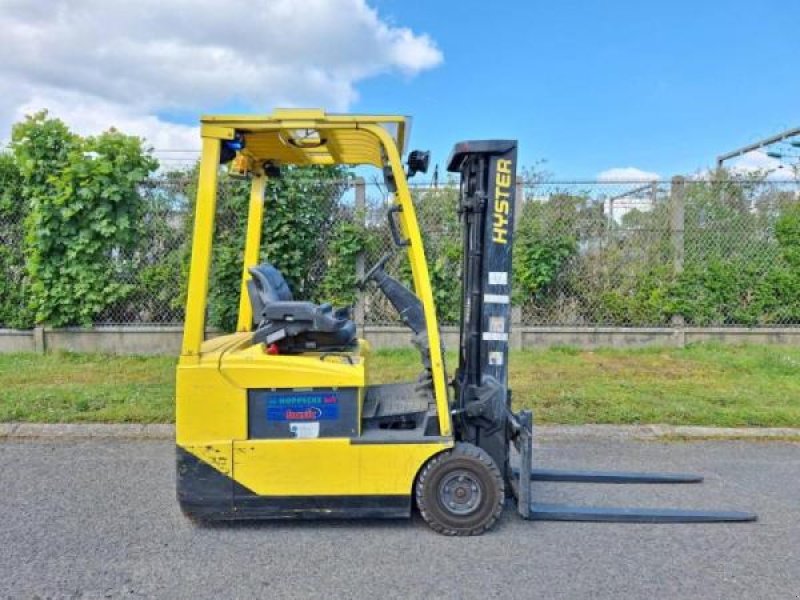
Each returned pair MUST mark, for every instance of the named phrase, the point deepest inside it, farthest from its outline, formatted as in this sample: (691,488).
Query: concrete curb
(69,431)
(75,431)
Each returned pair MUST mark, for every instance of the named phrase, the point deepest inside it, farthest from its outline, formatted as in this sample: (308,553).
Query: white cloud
(97,63)
(627,174)
(89,114)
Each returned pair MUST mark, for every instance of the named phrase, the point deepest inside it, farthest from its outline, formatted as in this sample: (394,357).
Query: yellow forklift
(280,419)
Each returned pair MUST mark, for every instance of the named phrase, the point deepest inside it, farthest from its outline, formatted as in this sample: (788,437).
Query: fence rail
(680,253)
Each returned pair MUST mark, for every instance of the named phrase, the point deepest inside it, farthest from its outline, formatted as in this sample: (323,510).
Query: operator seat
(295,326)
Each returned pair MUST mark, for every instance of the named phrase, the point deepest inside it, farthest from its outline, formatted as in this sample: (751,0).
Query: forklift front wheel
(461,491)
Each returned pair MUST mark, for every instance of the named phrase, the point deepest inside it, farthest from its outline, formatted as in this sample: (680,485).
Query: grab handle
(398,239)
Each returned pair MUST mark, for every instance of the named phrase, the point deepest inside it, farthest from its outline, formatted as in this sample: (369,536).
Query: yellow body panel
(211,392)
(208,408)
(329,467)
(212,425)
(251,368)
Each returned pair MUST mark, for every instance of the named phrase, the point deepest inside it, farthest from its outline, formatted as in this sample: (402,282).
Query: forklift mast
(482,414)
(486,207)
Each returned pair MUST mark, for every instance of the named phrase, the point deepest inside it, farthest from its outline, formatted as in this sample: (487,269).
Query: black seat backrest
(266,285)
(271,284)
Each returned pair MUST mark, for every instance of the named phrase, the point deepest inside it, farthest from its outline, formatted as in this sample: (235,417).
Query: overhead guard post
(419,273)
(202,238)
(252,249)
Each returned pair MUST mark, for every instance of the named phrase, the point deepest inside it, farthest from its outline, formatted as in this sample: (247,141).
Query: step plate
(394,399)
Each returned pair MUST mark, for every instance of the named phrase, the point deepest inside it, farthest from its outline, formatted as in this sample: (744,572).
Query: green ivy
(544,242)
(539,259)
(787,232)
(85,210)
(349,240)
(437,215)
(301,208)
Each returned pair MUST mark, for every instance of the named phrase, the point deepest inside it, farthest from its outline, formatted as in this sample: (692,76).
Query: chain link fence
(437,214)
(585,252)
(621,254)
(13,305)
(154,270)
(701,253)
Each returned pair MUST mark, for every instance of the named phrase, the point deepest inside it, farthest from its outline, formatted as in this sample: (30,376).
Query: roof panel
(283,136)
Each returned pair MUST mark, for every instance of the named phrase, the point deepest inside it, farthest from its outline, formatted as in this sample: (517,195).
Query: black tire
(460,491)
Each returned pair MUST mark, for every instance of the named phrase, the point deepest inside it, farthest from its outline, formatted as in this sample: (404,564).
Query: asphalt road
(98,519)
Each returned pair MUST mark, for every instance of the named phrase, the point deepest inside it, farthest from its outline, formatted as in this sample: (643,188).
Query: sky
(611,89)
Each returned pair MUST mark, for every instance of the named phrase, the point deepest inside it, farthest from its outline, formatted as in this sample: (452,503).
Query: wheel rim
(460,492)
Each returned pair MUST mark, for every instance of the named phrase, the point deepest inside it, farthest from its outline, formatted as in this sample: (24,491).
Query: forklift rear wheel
(461,491)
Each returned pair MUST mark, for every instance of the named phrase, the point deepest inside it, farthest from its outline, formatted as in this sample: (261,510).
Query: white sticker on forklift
(496,359)
(497,324)
(495,299)
(305,430)
(498,278)
(489,336)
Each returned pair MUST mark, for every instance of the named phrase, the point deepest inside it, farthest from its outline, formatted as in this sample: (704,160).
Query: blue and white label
(303,407)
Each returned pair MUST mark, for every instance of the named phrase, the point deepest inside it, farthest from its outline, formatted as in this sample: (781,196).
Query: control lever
(378,266)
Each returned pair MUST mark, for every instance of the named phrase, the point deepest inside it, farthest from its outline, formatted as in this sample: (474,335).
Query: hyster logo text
(502,203)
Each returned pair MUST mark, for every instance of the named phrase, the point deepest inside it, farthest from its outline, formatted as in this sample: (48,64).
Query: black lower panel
(322,507)
(205,493)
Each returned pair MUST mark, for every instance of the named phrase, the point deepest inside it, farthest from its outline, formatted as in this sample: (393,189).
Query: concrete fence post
(610,220)
(39,345)
(519,201)
(361,213)
(515,340)
(677,227)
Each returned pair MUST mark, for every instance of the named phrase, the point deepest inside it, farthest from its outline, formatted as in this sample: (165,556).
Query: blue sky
(589,86)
